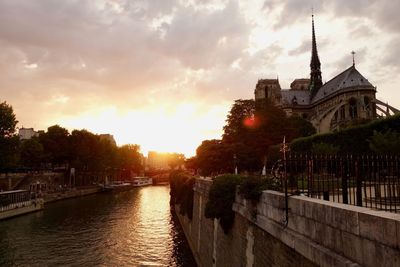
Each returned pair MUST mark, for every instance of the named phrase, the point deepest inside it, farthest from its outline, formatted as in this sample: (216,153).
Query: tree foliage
(9,143)
(8,120)
(214,157)
(251,128)
(181,192)
(387,142)
(358,139)
(130,159)
(56,145)
(32,153)
(324,149)
(175,160)
(220,200)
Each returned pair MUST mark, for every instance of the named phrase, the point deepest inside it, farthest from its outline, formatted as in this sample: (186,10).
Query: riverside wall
(318,233)
(77,192)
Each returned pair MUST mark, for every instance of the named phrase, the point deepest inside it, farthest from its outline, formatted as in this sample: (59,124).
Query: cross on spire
(353,53)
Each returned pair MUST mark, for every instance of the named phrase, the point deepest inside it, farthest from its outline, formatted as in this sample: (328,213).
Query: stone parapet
(327,233)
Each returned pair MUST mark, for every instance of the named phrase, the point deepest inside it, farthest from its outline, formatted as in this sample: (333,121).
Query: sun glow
(179,128)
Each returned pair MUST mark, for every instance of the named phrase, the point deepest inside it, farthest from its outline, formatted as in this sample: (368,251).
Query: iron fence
(369,180)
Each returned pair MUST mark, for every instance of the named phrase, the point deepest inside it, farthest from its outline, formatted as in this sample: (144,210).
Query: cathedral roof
(347,79)
(300,97)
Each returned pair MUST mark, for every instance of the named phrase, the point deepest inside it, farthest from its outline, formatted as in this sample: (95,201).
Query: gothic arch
(324,119)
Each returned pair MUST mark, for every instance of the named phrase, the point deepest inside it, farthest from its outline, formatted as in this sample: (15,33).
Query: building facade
(27,133)
(345,99)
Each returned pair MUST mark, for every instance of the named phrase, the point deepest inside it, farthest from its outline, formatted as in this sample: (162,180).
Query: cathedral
(345,99)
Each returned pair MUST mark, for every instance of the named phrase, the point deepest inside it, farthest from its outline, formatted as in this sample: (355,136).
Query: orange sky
(164,73)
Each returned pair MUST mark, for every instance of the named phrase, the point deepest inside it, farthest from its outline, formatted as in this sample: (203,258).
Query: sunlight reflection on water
(132,228)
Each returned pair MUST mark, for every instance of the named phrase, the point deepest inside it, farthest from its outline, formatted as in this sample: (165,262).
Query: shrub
(223,191)
(220,200)
(181,192)
(252,187)
(388,142)
(350,140)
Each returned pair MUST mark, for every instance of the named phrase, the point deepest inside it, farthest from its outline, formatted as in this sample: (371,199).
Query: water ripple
(132,228)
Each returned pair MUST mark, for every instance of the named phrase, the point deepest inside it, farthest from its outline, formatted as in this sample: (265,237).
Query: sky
(164,73)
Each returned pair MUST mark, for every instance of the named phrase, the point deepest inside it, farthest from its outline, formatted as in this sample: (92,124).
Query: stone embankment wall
(23,180)
(71,193)
(318,233)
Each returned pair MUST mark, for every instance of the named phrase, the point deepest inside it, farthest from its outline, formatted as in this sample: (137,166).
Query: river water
(134,228)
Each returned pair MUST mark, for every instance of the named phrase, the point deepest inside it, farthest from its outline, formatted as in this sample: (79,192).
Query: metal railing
(368,181)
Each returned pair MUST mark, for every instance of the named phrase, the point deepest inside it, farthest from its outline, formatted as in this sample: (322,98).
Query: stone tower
(315,65)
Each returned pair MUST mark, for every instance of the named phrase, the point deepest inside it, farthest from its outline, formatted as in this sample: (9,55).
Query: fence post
(358,185)
(345,195)
(310,169)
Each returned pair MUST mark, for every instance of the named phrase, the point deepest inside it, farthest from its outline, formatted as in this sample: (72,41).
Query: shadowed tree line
(251,128)
(58,149)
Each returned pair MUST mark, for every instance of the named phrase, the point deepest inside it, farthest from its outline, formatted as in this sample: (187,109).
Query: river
(134,228)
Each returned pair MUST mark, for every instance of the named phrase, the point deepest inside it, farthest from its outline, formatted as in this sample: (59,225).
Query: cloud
(305,47)
(71,58)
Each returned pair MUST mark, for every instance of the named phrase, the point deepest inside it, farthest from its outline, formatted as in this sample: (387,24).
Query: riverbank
(73,193)
(22,208)
(25,207)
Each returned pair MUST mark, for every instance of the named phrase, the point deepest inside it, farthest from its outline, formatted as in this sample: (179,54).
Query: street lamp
(235,163)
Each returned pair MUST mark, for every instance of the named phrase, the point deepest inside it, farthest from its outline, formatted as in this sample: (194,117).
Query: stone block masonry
(319,233)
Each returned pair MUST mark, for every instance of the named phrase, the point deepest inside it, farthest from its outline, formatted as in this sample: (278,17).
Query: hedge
(351,140)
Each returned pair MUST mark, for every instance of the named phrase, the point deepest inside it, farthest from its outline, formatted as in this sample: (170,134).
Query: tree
(31,153)
(214,157)
(175,160)
(8,120)
(56,145)
(387,142)
(252,127)
(84,150)
(9,142)
(300,128)
(130,159)
(240,119)
(324,148)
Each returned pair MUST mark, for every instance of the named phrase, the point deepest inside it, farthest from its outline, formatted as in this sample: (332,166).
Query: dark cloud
(305,47)
(67,57)
(111,53)
(391,57)
(382,12)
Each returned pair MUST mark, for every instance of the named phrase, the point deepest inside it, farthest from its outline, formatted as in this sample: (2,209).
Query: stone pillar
(215,236)
(9,183)
(249,247)
(199,227)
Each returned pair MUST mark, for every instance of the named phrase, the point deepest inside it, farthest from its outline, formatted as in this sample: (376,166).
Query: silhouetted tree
(214,157)
(56,145)
(386,142)
(9,142)
(130,159)
(251,128)
(31,153)
(175,160)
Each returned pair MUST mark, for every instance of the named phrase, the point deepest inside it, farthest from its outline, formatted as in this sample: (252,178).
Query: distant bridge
(159,176)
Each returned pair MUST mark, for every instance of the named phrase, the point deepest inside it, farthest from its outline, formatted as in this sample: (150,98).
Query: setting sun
(164,128)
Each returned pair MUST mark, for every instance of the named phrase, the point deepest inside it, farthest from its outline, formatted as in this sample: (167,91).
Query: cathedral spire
(315,65)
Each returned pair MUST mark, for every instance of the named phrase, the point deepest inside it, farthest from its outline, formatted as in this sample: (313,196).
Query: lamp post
(264,170)
(235,163)
(285,148)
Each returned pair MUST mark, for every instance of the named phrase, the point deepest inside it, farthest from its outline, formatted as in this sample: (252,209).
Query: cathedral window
(342,113)
(367,105)
(353,108)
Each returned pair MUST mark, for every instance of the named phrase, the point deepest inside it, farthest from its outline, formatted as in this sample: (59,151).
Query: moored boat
(141,181)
